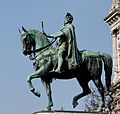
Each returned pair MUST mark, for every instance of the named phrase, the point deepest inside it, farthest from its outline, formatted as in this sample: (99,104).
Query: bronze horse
(40,49)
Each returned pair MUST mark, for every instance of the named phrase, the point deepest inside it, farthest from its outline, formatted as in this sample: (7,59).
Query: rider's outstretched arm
(55,35)
(58,34)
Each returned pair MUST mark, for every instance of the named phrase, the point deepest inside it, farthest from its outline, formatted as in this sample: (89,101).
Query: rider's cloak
(68,31)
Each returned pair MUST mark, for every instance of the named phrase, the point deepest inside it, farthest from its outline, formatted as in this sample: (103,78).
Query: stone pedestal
(66,112)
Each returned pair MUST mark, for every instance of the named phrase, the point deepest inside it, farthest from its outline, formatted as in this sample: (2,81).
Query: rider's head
(68,18)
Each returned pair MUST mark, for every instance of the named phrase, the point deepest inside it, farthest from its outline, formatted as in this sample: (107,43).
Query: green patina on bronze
(83,65)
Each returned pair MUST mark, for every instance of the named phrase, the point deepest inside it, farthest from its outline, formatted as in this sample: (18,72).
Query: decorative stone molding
(114,33)
(113,17)
(115,5)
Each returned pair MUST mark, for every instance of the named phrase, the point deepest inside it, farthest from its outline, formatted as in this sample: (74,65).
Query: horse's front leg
(36,74)
(49,94)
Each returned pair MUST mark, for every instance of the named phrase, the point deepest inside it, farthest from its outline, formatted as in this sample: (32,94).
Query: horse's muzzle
(27,53)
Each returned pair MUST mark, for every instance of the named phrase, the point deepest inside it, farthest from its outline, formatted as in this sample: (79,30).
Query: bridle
(32,52)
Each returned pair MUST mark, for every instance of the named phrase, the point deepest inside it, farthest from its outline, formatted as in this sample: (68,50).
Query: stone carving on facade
(113,19)
(115,4)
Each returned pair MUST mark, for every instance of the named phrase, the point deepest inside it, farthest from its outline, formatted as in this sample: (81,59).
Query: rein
(40,49)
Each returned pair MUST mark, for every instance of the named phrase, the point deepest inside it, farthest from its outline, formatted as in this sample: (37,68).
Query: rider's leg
(60,61)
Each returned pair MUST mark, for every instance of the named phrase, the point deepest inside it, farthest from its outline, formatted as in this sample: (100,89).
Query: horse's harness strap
(40,49)
(37,50)
(45,56)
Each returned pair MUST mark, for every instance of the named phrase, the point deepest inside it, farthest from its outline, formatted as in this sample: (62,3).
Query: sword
(42,27)
(44,31)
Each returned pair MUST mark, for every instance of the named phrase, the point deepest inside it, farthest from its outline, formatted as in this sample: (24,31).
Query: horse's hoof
(38,95)
(36,92)
(32,89)
(50,105)
(48,108)
(75,103)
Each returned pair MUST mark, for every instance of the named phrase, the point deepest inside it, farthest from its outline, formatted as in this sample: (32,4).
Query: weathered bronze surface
(48,62)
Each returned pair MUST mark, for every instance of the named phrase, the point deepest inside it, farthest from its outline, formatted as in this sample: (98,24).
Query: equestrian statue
(64,61)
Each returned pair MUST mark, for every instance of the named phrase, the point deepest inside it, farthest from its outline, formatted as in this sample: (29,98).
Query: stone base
(67,112)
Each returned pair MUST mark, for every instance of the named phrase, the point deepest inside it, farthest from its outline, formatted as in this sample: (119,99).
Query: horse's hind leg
(86,91)
(49,94)
(100,88)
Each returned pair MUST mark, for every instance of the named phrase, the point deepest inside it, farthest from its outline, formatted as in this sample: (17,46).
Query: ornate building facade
(113,19)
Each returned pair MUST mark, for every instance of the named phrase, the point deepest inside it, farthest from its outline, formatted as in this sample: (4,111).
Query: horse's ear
(19,31)
(24,29)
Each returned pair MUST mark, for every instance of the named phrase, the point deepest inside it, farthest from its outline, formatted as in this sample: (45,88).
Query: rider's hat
(69,17)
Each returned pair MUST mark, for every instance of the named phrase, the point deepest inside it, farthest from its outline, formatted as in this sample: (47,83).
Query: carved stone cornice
(113,16)
(115,85)
(116,31)
(115,4)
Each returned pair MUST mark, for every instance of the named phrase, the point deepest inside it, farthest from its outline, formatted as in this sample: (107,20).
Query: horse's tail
(108,64)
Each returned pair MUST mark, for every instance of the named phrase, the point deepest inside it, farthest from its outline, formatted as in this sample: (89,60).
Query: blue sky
(91,31)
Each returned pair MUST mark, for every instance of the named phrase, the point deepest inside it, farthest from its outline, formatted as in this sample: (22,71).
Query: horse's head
(28,41)
(33,40)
